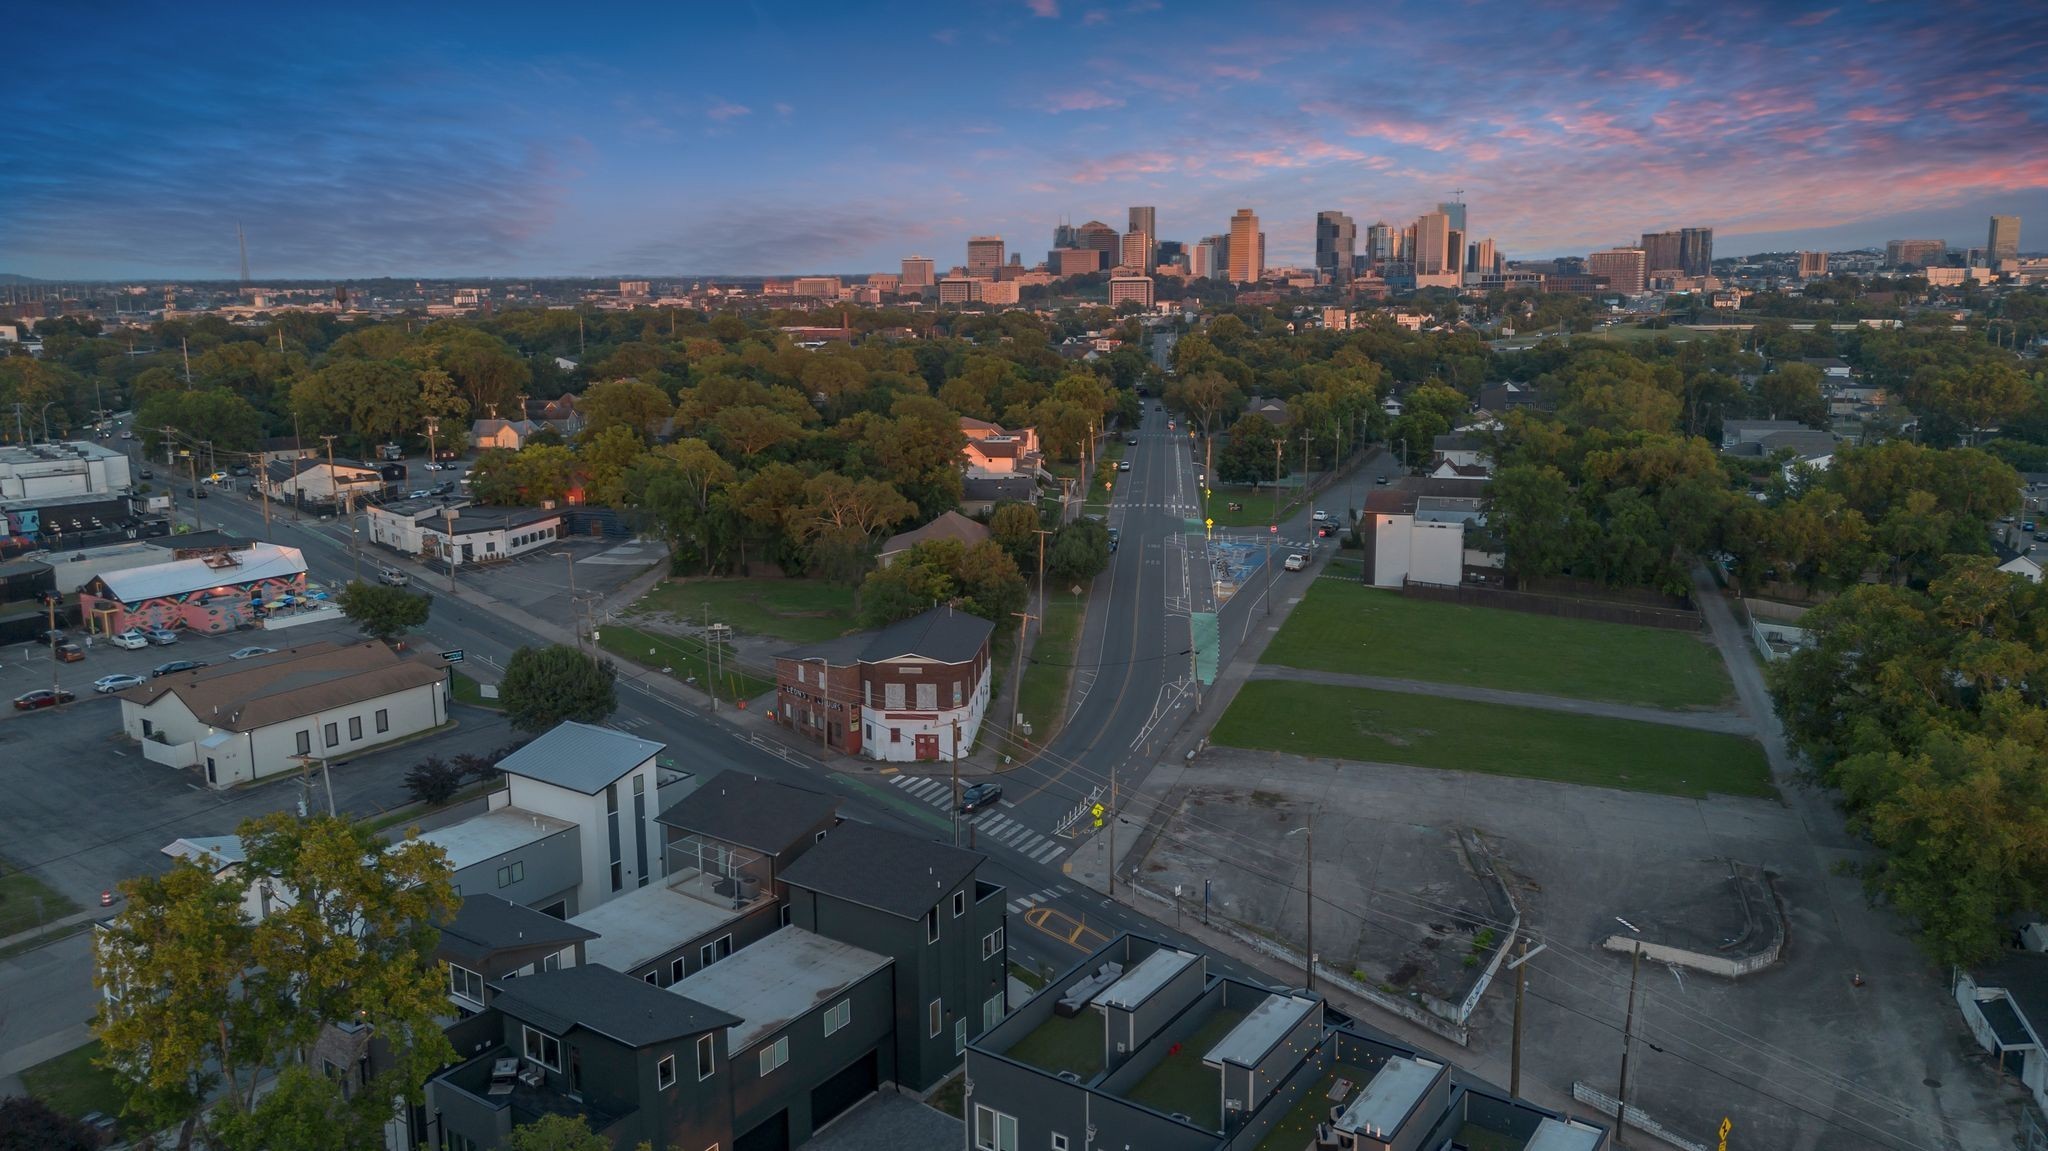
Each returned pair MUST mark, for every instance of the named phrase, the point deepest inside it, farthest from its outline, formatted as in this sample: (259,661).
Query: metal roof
(889,871)
(1256,1033)
(607,1002)
(580,757)
(260,561)
(1139,983)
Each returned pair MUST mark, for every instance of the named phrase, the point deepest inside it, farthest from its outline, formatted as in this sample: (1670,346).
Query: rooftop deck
(1182,1083)
(1059,1044)
(1297,1129)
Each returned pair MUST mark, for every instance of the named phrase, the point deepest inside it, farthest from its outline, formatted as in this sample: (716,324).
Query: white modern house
(260,717)
(1403,543)
(604,782)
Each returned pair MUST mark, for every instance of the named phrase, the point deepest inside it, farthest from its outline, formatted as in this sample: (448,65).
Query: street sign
(1726,1127)
(452,656)
(1096,811)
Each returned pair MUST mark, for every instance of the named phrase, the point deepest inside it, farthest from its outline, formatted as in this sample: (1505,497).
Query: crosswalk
(991,824)
(1024,903)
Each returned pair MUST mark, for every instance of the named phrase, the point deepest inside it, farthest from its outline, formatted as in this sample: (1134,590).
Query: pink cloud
(723,110)
(1080,100)
(1044,9)
(1875,116)
(1814,18)
(1237,72)
(946,35)
(1121,167)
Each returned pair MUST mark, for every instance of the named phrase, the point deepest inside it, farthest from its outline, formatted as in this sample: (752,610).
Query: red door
(927,745)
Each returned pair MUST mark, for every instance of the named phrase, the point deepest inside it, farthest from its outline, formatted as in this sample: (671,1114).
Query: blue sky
(520,139)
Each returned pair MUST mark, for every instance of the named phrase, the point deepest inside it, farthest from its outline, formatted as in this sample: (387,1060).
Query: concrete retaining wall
(1760,945)
(1637,1121)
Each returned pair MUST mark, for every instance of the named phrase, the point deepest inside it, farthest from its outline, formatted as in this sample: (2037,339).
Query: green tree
(1532,509)
(544,686)
(642,409)
(1015,526)
(304,1111)
(29,1124)
(556,1133)
(1792,392)
(383,612)
(1079,551)
(1249,456)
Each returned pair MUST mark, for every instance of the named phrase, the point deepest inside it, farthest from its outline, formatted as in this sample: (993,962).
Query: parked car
(1295,562)
(1325,531)
(196,493)
(134,639)
(980,795)
(392,577)
(1123,465)
(176,666)
(213,477)
(162,636)
(1381,481)
(147,474)
(250,652)
(44,697)
(239,470)
(418,494)
(2027,526)
(1321,515)
(55,635)
(70,652)
(119,681)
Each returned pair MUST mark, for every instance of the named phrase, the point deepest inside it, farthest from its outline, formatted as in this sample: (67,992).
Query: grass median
(1358,630)
(1255,506)
(27,902)
(1391,727)
(1048,674)
(798,610)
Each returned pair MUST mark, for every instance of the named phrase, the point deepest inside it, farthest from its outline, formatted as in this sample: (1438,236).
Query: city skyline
(720,142)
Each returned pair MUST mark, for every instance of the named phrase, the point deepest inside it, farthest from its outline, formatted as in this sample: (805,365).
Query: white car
(1295,562)
(1322,516)
(133,639)
(250,652)
(108,684)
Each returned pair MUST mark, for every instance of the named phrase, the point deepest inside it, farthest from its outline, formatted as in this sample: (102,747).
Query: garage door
(854,1082)
(770,1135)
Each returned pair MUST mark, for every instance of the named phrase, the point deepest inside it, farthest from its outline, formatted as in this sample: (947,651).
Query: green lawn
(1073,1043)
(685,656)
(26,901)
(798,610)
(1347,627)
(1050,670)
(1181,1083)
(70,1084)
(1256,509)
(1391,727)
(950,1096)
(469,691)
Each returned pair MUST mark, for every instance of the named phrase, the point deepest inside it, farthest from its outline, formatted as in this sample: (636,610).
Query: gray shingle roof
(488,923)
(752,812)
(580,757)
(607,1002)
(886,870)
(943,634)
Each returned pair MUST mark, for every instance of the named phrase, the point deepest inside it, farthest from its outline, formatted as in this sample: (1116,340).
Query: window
(306,742)
(774,1055)
(676,970)
(712,952)
(653,977)
(332,733)
(466,983)
(665,1073)
(867,699)
(931,926)
(543,1048)
(934,1015)
(869,733)
(511,873)
(959,904)
(355,727)
(801,671)
(958,697)
(553,962)
(707,1056)
(927,697)
(892,696)
(992,1011)
(959,1036)
(147,728)
(384,720)
(895,735)
(838,1015)
(1059,1142)
(992,943)
(993,1130)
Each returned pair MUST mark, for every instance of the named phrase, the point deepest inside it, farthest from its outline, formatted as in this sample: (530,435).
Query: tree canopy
(546,685)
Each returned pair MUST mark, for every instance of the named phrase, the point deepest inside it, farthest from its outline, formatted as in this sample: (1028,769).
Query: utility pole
(306,781)
(433,427)
(956,782)
(1305,491)
(448,517)
(186,348)
(1024,618)
(1520,966)
(709,651)
(1041,533)
(571,557)
(298,455)
(50,602)
(1115,813)
(1628,1034)
(333,485)
(198,518)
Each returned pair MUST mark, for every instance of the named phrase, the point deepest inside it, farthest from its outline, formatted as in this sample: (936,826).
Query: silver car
(108,684)
(162,636)
(250,652)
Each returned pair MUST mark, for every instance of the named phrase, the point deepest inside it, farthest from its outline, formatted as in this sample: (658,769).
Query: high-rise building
(1914,253)
(1432,251)
(1379,243)
(1145,220)
(1336,244)
(1065,235)
(1660,252)
(1210,257)
(1073,261)
(2004,241)
(1136,289)
(1813,265)
(984,253)
(1103,238)
(919,273)
(1480,258)
(1696,251)
(1454,211)
(1137,251)
(1454,251)
(1247,248)
(1626,269)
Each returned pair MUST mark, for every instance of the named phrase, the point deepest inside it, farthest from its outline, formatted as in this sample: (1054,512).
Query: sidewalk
(56,926)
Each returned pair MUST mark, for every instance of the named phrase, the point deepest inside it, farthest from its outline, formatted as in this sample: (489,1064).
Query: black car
(1325,531)
(175,666)
(978,796)
(1114,536)
(196,493)
(239,470)
(1133,441)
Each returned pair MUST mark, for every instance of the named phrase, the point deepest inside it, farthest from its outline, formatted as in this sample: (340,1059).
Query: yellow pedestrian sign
(1097,811)
(1726,1127)
(1208,527)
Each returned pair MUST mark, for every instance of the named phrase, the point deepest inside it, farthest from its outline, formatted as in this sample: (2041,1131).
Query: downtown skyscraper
(1247,248)
(2003,242)
(1336,247)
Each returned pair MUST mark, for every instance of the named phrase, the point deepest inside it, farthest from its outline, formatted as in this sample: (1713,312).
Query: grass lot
(1345,627)
(1256,512)
(1047,674)
(70,1084)
(798,610)
(469,691)
(1033,979)
(950,1096)
(686,656)
(26,901)
(1181,1083)
(1390,727)
(1070,1044)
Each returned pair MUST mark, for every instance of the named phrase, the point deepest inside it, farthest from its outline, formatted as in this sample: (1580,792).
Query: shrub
(433,782)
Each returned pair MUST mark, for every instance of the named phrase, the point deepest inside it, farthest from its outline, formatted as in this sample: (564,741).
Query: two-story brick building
(919,688)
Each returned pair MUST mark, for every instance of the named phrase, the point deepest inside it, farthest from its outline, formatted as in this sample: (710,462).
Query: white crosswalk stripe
(991,824)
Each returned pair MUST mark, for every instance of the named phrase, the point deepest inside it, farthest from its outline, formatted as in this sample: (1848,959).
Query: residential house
(1139,1046)
(1500,399)
(211,590)
(1461,449)
(521,856)
(1739,437)
(949,525)
(2005,1006)
(510,435)
(492,939)
(422,528)
(993,451)
(603,781)
(924,686)
(980,494)
(745,830)
(1272,411)
(559,413)
(256,718)
(222,855)
(308,480)
(2017,562)
(1401,545)
(921,904)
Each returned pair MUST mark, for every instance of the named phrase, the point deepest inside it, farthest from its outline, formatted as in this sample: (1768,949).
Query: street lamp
(46,421)
(1308,956)
(572,597)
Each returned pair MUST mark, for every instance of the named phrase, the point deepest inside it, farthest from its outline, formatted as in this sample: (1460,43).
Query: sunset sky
(732,138)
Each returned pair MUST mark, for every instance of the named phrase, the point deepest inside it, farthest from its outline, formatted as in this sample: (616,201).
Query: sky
(731,138)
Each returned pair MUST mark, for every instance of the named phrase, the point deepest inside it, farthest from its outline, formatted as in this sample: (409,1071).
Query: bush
(433,782)
(478,767)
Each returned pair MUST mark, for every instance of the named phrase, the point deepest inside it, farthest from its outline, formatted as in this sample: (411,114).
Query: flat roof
(1391,1097)
(641,926)
(1258,1032)
(778,981)
(1558,1135)
(492,834)
(1148,976)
